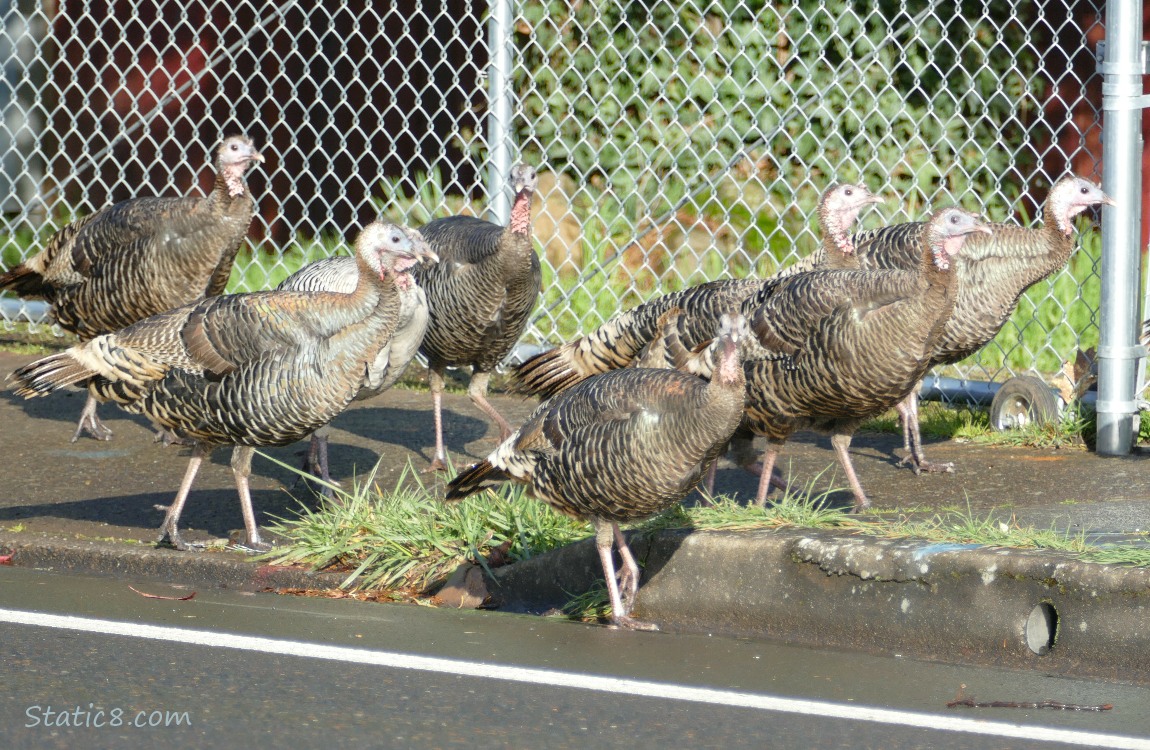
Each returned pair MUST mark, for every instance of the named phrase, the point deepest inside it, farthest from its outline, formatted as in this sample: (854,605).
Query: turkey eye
(848,191)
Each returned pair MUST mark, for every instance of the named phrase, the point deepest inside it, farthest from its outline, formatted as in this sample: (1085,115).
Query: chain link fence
(678,140)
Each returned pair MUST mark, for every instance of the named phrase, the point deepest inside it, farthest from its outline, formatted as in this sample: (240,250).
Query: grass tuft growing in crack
(593,605)
(406,538)
(1119,554)
(992,530)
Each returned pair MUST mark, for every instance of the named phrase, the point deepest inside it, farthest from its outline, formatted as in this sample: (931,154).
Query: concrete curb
(222,569)
(951,603)
(944,602)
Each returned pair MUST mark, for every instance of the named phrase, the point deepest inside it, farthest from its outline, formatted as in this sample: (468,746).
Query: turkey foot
(91,424)
(630,623)
(171,538)
(930,467)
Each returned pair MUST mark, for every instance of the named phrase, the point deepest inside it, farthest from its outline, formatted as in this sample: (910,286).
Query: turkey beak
(420,249)
(257,157)
(1108,201)
(874,199)
(732,345)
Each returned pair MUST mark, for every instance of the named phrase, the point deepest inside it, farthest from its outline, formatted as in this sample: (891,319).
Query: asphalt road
(90,663)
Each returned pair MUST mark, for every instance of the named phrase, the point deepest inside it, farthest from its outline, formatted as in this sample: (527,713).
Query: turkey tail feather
(49,374)
(24,282)
(474,479)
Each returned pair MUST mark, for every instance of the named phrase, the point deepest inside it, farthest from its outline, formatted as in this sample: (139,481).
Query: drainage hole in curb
(1041,628)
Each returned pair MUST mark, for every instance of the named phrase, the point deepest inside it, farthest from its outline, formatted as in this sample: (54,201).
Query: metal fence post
(499,113)
(1118,352)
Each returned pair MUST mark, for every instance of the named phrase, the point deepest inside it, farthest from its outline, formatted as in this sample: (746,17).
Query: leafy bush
(622,94)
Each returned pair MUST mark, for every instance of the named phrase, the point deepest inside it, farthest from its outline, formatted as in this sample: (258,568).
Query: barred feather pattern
(619,341)
(855,343)
(265,368)
(832,348)
(339,274)
(994,271)
(143,256)
(840,347)
(482,291)
(620,446)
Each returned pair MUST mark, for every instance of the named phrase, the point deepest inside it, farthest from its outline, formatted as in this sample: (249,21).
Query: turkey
(141,257)
(832,348)
(993,273)
(621,340)
(340,274)
(248,370)
(621,447)
(480,297)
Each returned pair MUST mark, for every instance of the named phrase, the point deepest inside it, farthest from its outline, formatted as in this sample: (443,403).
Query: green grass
(1069,431)
(1116,554)
(33,338)
(402,537)
(263,268)
(994,530)
(936,420)
(592,605)
(1074,429)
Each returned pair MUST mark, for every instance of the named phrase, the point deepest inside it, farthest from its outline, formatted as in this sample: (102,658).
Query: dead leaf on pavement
(165,598)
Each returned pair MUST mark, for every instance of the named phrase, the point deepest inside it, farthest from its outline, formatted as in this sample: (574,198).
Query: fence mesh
(678,141)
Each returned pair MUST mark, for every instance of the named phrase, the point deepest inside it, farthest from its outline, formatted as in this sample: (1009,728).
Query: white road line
(574,680)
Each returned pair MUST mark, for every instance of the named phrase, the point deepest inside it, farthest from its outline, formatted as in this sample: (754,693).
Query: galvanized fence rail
(677,141)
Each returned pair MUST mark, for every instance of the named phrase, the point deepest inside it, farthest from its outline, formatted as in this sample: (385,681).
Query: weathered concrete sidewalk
(94,507)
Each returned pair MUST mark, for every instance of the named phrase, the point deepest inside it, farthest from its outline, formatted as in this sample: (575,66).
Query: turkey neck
(1015,257)
(520,223)
(519,262)
(230,195)
(231,178)
(365,317)
(1056,242)
(837,245)
(729,372)
(942,285)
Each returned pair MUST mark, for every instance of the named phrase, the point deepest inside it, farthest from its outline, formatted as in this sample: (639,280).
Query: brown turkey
(479,297)
(993,272)
(623,339)
(141,257)
(341,274)
(248,370)
(621,447)
(832,348)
